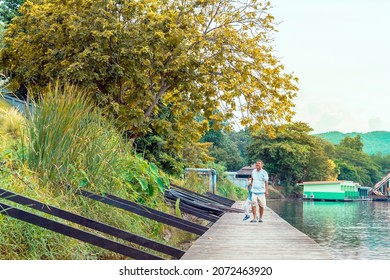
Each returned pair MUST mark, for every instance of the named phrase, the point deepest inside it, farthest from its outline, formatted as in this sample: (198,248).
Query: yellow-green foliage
(12,125)
(3,104)
(170,67)
(11,122)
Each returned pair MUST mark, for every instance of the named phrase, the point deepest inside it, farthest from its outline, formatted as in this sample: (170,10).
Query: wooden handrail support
(89,223)
(147,212)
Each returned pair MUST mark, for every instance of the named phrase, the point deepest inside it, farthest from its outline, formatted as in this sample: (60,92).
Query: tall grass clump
(69,142)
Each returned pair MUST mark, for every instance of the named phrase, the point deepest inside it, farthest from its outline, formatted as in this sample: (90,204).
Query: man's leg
(254,204)
(262,204)
(261,210)
(254,211)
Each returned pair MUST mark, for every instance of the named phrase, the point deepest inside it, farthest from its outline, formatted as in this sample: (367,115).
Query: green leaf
(143,183)
(160,184)
(154,168)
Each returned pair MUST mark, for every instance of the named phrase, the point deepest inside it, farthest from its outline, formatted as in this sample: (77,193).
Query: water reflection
(348,230)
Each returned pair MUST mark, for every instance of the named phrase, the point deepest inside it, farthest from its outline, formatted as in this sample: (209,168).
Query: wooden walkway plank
(231,238)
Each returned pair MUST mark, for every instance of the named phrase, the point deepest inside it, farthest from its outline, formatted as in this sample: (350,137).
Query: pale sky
(340,51)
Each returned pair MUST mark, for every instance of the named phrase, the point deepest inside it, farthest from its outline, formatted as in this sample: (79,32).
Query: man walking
(259,185)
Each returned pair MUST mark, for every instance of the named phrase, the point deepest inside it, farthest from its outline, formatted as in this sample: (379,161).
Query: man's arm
(266,187)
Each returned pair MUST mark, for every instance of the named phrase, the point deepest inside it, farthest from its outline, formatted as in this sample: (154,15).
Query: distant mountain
(374,142)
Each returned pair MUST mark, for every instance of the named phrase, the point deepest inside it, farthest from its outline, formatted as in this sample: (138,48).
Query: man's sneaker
(246,217)
(254,221)
(260,220)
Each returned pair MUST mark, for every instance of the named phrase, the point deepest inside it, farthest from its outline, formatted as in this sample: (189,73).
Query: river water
(347,230)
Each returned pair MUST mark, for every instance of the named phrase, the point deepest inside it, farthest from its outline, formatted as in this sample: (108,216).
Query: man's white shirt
(259,179)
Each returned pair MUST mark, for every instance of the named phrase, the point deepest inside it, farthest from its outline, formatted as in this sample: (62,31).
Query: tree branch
(164,87)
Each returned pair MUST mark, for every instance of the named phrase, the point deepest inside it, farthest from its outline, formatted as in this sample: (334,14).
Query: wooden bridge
(231,238)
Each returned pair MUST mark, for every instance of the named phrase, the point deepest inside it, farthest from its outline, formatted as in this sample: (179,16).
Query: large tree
(354,164)
(292,155)
(197,58)
(354,143)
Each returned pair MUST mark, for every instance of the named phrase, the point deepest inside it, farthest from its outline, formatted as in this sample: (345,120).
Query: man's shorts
(258,199)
